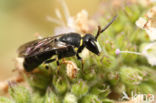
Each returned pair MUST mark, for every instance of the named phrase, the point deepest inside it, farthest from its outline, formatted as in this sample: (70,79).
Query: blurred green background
(21,19)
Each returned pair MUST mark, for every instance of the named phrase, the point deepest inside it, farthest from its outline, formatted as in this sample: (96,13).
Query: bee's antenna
(101,31)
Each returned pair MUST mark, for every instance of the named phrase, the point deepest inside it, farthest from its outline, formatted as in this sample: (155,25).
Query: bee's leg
(47,63)
(79,58)
(82,62)
(58,64)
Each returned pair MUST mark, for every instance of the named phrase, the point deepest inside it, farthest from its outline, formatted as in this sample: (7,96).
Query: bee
(65,45)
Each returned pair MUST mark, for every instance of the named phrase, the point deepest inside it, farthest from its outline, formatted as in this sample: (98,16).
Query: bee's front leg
(79,58)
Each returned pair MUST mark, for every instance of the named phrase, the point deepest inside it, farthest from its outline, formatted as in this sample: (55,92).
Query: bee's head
(91,43)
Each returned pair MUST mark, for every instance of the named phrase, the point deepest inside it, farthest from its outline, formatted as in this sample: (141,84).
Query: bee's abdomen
(32,62)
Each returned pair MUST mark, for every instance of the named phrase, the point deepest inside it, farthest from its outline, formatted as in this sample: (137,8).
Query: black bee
(65,45)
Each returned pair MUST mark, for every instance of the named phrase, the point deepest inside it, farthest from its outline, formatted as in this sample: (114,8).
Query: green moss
(51,97)
(5,100)
(91,99)
(79,89)
(70,98)
(20,94)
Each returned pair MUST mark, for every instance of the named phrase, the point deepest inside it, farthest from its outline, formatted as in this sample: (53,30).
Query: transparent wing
(41,45)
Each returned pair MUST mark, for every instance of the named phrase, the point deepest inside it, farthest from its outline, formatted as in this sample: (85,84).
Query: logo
(137,98)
